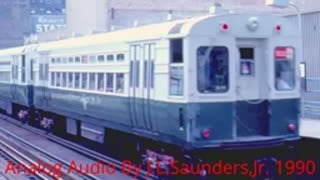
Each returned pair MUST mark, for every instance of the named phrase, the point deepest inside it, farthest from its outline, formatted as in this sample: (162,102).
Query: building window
(109,82)
(84,81)
(213,69)
(119,82)
(284,68)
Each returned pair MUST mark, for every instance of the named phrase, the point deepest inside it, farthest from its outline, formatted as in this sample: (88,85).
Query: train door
(252,89)
(148,83)
(14,76)
(140,91)
(251,71)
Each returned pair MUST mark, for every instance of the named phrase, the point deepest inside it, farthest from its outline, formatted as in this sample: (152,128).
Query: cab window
(284,68)
(213,69)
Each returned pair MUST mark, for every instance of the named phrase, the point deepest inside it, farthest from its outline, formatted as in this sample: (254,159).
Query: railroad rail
(43,161)
(95,156)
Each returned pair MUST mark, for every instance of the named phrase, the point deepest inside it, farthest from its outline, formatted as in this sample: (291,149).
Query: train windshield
(213,71)
(284,68)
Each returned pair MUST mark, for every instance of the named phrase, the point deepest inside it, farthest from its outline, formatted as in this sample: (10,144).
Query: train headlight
(253,23)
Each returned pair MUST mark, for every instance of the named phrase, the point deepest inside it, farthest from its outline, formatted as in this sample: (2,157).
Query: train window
(110,57)
(92,59)
(284,68)
(100,81)
(92,81)
(70,80)
(246,61)
(23,69)
(58,60)
(40,72)
(176,50)
(77,80)
(77,60)
(101,58)
(65,60)
(84,80)
(58,80)
(53,60)
(52,78)
(120,57)
(109,82)
(119,82)
(64,80)
(176,81)
(213,69)
(70,59)
(46,70)
(84,59)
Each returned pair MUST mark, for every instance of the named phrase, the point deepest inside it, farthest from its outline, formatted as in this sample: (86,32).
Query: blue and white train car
(217,81)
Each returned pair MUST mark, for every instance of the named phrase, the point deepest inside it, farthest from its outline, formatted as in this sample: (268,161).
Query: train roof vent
(176,29)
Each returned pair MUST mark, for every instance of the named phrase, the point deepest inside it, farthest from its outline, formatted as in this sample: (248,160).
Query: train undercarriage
(166,160)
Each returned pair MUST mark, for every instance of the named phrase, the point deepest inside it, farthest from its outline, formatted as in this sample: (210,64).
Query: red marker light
(278,27)
(292,127)
(225,26)
(206,133)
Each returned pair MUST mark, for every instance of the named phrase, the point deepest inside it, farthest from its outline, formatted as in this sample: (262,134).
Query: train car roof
(140,33)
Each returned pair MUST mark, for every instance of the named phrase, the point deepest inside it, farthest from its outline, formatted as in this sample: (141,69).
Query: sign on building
(44,23)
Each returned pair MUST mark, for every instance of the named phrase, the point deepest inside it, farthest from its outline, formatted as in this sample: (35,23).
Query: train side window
(213,69)
(101,58)
(58,60)
(84,80)
(65,60)
(109,82)
(64,80)
(23,69)
(119,82)
(110,57)
(85,59)
(284,68)
(58,80)
(176,51)
(77,80)
(70,59)
(53,60)
(92,81)
(70,80)
(52,78)
(101,81)
(77,60)
(92,59)
(120,57)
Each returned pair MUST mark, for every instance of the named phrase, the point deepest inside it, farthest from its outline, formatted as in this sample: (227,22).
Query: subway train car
(220,81)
